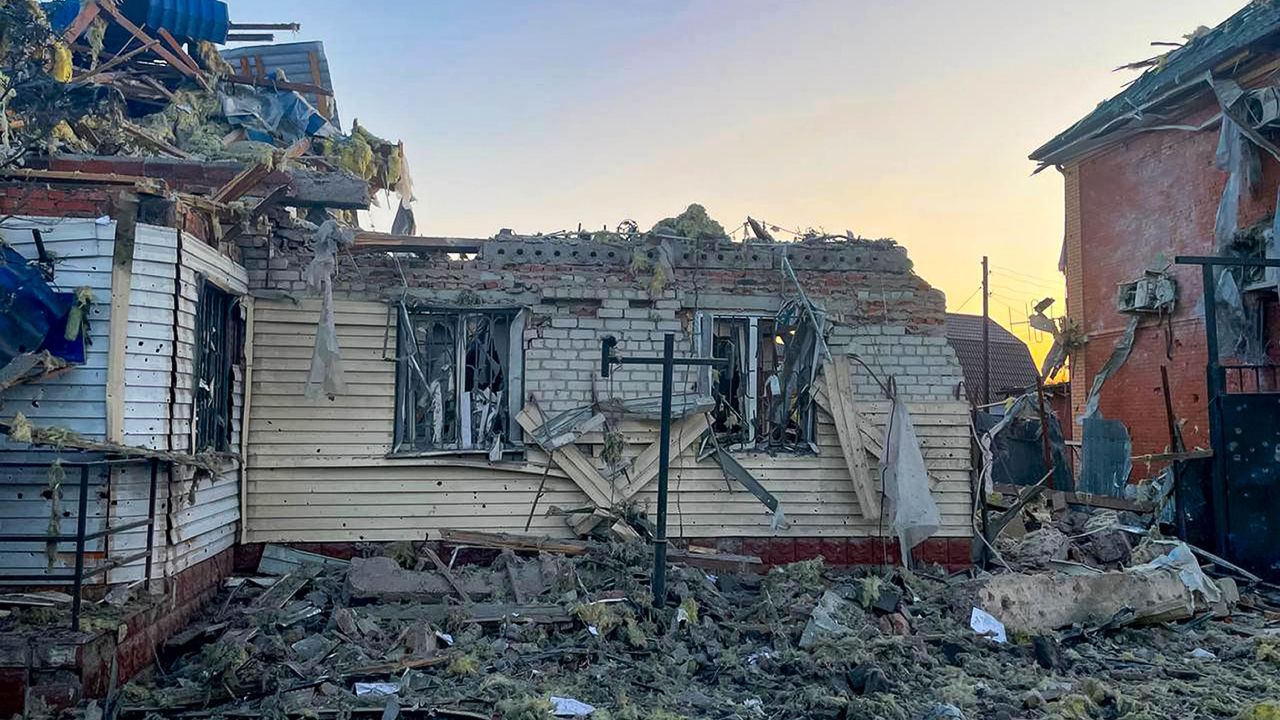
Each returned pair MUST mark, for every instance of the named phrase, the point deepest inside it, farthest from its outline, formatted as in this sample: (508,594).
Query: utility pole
(986,334)
(668,362)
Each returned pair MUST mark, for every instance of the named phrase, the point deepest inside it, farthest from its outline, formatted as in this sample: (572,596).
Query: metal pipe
(151,519)
(83,503)
(664,457)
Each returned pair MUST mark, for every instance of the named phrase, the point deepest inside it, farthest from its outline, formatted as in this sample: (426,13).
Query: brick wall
(1139,205)
(882,311)
(36,199)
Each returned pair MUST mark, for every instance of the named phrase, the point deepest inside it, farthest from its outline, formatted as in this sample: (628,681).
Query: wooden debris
(88,13)
(110,7)
(152,141)
(21,430)
(571,459)
(448,575)
(285,588)
(844,412)
(507,541)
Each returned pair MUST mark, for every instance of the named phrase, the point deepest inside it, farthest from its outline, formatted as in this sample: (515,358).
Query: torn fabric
(325,377)
(913,514)
(1124,346)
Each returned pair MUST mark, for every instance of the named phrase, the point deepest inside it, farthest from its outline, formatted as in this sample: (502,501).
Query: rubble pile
(93,78)
(572,631)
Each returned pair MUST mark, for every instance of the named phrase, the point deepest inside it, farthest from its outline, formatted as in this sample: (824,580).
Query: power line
(1011,271)
(969,299)
(1028,283)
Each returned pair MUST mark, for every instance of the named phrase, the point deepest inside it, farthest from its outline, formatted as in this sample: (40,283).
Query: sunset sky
(907,119)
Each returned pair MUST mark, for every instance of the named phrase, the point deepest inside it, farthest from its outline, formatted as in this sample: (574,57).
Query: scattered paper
(595,632)
(1202,654)
(568,707)
(682,616)
(104,220)
(445,638)
(984,623)
(377,688)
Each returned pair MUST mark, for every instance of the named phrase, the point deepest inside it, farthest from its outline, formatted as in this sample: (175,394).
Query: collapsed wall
(398,453)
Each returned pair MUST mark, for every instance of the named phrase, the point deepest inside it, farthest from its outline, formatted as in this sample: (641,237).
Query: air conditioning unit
(1153,292)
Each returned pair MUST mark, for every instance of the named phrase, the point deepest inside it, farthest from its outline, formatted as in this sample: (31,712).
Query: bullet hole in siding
(19,496)
(439,483)
(483,506)
(139,343)
(35,403)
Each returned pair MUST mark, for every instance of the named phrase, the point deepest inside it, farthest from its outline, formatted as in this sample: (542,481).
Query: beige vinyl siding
(318,471)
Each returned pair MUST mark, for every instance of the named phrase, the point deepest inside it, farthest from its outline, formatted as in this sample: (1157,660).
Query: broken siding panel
(75,400)
(318,471)
(204,515)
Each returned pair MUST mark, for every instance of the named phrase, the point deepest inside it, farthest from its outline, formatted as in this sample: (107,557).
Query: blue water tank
(186,19)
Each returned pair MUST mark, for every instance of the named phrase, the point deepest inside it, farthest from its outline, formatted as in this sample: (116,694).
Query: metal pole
(151,520)
(664,457)
(986,334)
(78,581)
(1214,387)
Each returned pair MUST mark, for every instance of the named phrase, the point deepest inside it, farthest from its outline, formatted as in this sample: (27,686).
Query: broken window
(760,399)
(459,381)
(218,341)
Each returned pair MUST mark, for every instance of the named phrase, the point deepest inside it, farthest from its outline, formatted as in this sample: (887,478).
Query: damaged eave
(1243,47)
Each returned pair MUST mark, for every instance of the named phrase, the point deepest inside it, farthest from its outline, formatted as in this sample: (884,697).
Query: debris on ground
(529,633)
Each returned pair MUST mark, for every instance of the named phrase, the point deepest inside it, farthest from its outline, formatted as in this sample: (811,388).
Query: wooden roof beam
(376,241)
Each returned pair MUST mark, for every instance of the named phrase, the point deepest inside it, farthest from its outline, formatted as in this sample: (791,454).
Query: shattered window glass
(218,342)
(762,397)
(454,382)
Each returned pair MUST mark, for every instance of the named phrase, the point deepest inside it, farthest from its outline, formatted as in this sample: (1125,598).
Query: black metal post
(664,457)
(1213,383)
(668,362)
(78,582)
(151,520)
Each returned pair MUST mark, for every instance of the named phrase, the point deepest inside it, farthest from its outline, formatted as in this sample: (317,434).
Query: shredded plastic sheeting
(267,114)
(325,378)
(1124,346)
(912,511)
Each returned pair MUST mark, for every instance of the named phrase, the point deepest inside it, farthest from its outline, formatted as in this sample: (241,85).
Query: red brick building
(1142,186)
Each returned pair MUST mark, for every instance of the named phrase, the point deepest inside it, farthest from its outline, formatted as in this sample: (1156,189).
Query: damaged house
(1184,162)
(471,393)
(204,353)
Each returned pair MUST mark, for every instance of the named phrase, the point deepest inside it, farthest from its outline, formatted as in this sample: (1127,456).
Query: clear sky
(909,119)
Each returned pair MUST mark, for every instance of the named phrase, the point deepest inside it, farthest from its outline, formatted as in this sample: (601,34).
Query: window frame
(216,315)
(704,340)
(404,443)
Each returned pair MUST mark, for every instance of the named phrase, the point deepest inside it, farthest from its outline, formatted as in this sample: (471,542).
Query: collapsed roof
(1175,80)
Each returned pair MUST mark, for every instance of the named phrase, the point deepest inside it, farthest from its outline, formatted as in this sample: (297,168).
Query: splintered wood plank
(683,434)
(285,588)
(570,459)
(844,412)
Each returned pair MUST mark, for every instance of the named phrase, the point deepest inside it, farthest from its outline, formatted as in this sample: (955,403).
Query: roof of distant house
(1012,369)
(1182,70)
